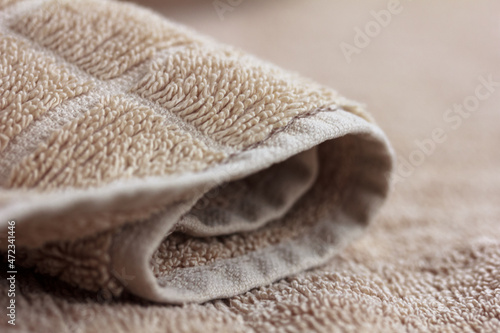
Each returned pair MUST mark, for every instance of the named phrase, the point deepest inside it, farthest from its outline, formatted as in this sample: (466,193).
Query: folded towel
(138,155)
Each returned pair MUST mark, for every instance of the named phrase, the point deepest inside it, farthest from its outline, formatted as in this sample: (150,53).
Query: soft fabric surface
(131,146)
(430,261)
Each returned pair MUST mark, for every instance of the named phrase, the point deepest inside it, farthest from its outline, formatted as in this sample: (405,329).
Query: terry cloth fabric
(430,260)
(138,156)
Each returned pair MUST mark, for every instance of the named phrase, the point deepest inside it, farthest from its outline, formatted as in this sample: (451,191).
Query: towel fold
(139,156)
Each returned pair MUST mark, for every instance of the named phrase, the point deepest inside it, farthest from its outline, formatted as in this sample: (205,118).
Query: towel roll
(139,156)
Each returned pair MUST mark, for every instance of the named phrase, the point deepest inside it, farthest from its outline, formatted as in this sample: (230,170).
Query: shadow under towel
(136,155)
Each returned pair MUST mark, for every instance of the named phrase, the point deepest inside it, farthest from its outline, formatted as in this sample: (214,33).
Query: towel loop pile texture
(137,155)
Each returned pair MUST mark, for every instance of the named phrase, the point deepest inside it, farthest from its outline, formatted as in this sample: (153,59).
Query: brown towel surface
(429,262)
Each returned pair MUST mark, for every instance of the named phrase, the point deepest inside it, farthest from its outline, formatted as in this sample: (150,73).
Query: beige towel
(430,261)
(137,155)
